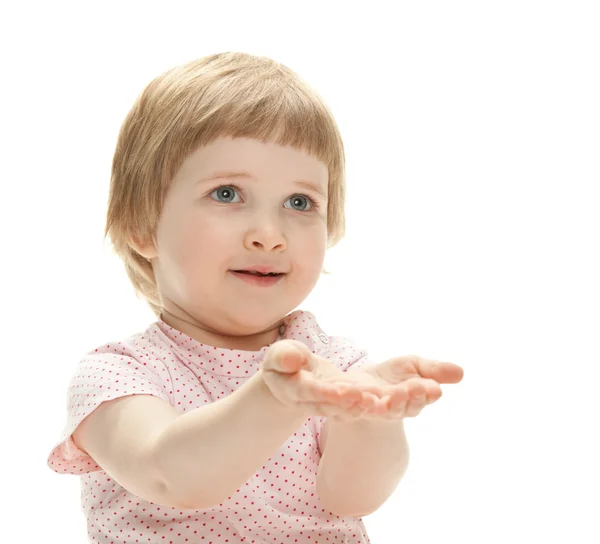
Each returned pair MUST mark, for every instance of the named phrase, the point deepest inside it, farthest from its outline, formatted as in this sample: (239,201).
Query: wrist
(293,410)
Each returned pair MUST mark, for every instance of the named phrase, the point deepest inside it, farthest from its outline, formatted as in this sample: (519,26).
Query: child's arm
(193,460)
(200,458)
(209,453)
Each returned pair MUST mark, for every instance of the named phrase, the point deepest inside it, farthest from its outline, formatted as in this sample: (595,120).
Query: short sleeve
(97,379)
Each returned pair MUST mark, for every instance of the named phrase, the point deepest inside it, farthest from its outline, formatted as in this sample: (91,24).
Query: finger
(287,356)
(449,373)
(418,387)
(350,413)
(439,371)
(397,402)
(421,393)
(380,408)
(384,411)
(367,404)
(370,400)
(347,409)
(414,407)
(395,396)
(349,397)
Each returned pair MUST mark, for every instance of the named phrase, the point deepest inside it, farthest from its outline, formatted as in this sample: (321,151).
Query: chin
(260,321)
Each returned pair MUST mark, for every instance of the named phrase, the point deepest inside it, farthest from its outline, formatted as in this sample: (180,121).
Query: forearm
(361,466)
(205,455)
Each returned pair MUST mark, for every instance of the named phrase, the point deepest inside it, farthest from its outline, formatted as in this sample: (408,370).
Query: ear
(146,250)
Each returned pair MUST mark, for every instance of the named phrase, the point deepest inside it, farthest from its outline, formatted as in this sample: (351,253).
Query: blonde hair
(191,105)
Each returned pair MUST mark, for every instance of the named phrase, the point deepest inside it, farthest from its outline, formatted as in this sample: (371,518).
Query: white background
(472,132)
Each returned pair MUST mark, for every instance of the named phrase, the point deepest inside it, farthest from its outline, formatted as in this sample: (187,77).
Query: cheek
(191,239)
(311,249)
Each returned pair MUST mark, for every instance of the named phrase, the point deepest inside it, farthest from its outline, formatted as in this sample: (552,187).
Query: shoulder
(143,349)
(135,364)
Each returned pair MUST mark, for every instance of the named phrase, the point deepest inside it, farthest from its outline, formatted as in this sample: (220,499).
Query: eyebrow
(237,175)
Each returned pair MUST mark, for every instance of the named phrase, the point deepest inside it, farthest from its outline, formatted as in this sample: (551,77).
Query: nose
(265,234)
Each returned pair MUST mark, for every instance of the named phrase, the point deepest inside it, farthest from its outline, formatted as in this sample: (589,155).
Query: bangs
(287,118)
(272,106)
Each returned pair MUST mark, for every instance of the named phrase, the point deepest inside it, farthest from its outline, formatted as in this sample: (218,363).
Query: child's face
(204,234)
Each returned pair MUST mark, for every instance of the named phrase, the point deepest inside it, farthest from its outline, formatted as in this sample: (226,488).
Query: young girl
(230,419)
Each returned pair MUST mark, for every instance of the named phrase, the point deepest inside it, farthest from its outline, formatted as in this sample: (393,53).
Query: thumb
(287,356)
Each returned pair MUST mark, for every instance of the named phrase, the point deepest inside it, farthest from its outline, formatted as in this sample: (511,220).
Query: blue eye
(227,193)
(295,198)
(227,190)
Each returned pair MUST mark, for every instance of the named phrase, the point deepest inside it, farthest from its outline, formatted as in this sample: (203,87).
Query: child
(212,425)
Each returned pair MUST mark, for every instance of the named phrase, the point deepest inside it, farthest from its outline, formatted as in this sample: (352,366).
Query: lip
(263,269)
(262,281)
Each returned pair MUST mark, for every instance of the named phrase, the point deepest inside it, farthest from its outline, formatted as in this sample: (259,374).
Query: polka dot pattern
(278,505)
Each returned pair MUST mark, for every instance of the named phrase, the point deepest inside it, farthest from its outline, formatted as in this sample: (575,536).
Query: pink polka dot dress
(277,505)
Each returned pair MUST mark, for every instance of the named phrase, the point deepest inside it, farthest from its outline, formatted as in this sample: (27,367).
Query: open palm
(406,384)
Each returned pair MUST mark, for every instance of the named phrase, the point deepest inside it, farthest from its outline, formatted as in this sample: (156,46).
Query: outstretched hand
(397,388)
(406,384)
